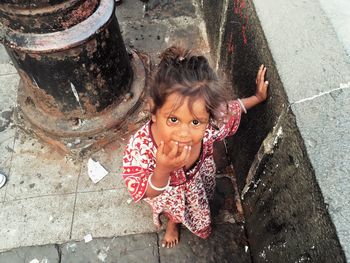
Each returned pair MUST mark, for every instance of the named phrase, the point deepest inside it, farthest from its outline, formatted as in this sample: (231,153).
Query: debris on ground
(87,238)
(96,171)
(2,180)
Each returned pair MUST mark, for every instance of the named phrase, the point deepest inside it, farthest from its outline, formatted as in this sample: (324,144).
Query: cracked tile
(39,170)
(110,213)
(111,159)
(36,221)
(46,253)
(133,248)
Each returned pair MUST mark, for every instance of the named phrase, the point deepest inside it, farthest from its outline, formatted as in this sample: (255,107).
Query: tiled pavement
(49,203)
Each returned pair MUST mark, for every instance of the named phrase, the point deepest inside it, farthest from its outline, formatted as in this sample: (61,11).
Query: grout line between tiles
(11,159)
(70,193)
(38,196)
(75,201)
(8,74)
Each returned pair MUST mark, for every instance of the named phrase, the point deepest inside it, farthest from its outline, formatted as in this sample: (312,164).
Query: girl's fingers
(185,154)
(258,76)
(174,150)
(188,152)
(180,161)
(262,76)
(260,81)
(161,147)
(260,70)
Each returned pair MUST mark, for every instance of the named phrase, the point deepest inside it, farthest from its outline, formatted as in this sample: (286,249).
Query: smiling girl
(169,161)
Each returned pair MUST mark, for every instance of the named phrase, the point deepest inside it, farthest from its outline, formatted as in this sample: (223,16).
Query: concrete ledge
(296,208)
(315,71)
(47,253)
(286,217)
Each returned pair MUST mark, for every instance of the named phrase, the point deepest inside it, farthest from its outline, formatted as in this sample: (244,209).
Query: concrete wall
(287,218)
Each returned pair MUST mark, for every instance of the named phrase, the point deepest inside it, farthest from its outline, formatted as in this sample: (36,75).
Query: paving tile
(8,69)
(8,91)
(7,139)
(226,244)
(4,57)
(133,248)
(6,119)
(46,253)
(110,213)
(162,34)
(111,159)
(38,170)
(129,9)
(36,221)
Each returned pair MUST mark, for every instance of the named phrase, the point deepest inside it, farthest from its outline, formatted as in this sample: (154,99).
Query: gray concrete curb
(315,71)
(296,208)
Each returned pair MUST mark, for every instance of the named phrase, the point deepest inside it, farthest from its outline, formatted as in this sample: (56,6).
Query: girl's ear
(153,118)
(150,106)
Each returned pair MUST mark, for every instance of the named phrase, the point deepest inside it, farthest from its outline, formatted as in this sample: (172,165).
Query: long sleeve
(138,164)
(229,120)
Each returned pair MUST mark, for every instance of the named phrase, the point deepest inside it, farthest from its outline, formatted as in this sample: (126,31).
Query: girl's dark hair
(189,75)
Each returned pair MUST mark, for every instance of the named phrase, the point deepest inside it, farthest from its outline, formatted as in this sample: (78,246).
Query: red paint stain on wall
(238,8)
(243,35)
(230,44)
(244,27)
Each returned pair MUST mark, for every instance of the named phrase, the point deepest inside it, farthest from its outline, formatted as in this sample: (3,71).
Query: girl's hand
(172,160)
(166,163)
(261,84)
(261,90)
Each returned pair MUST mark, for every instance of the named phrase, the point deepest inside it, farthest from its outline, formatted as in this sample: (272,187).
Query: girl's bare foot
(171,237)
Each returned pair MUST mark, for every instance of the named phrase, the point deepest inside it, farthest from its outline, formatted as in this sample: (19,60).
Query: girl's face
(176,123)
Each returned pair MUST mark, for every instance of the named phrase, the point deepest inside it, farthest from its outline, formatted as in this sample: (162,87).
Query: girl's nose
(184,131)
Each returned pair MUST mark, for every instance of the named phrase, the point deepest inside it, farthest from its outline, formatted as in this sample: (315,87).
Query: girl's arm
(159,180)
(165,164)
(231,113)
(261,90)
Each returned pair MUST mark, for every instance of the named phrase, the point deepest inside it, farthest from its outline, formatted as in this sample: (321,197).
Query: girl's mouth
(182,144)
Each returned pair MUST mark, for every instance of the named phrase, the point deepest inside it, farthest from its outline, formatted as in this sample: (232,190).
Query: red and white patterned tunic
(186,200)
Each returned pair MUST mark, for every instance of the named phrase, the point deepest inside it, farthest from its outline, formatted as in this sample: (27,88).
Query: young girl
(169,161)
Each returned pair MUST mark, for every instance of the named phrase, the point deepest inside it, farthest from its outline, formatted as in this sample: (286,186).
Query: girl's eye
(173,119)
(196,122)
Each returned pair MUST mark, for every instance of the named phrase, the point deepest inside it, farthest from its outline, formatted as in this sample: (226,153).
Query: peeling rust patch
(35,8)
(80,14)
(63,54)
(45,30)
(49,17)
(91,48)
(39,97)
(78,83)
(89,106)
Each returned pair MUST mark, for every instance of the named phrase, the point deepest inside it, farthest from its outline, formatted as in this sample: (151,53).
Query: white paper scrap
(35,260)
(96,171)
(88,238)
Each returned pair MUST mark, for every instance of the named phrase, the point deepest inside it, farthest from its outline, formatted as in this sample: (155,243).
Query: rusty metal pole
(77,78)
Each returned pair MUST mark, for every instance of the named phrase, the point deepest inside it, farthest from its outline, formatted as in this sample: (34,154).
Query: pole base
(78,136)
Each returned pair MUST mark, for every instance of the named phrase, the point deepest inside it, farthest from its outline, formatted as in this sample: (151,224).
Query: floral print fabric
(186,200)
